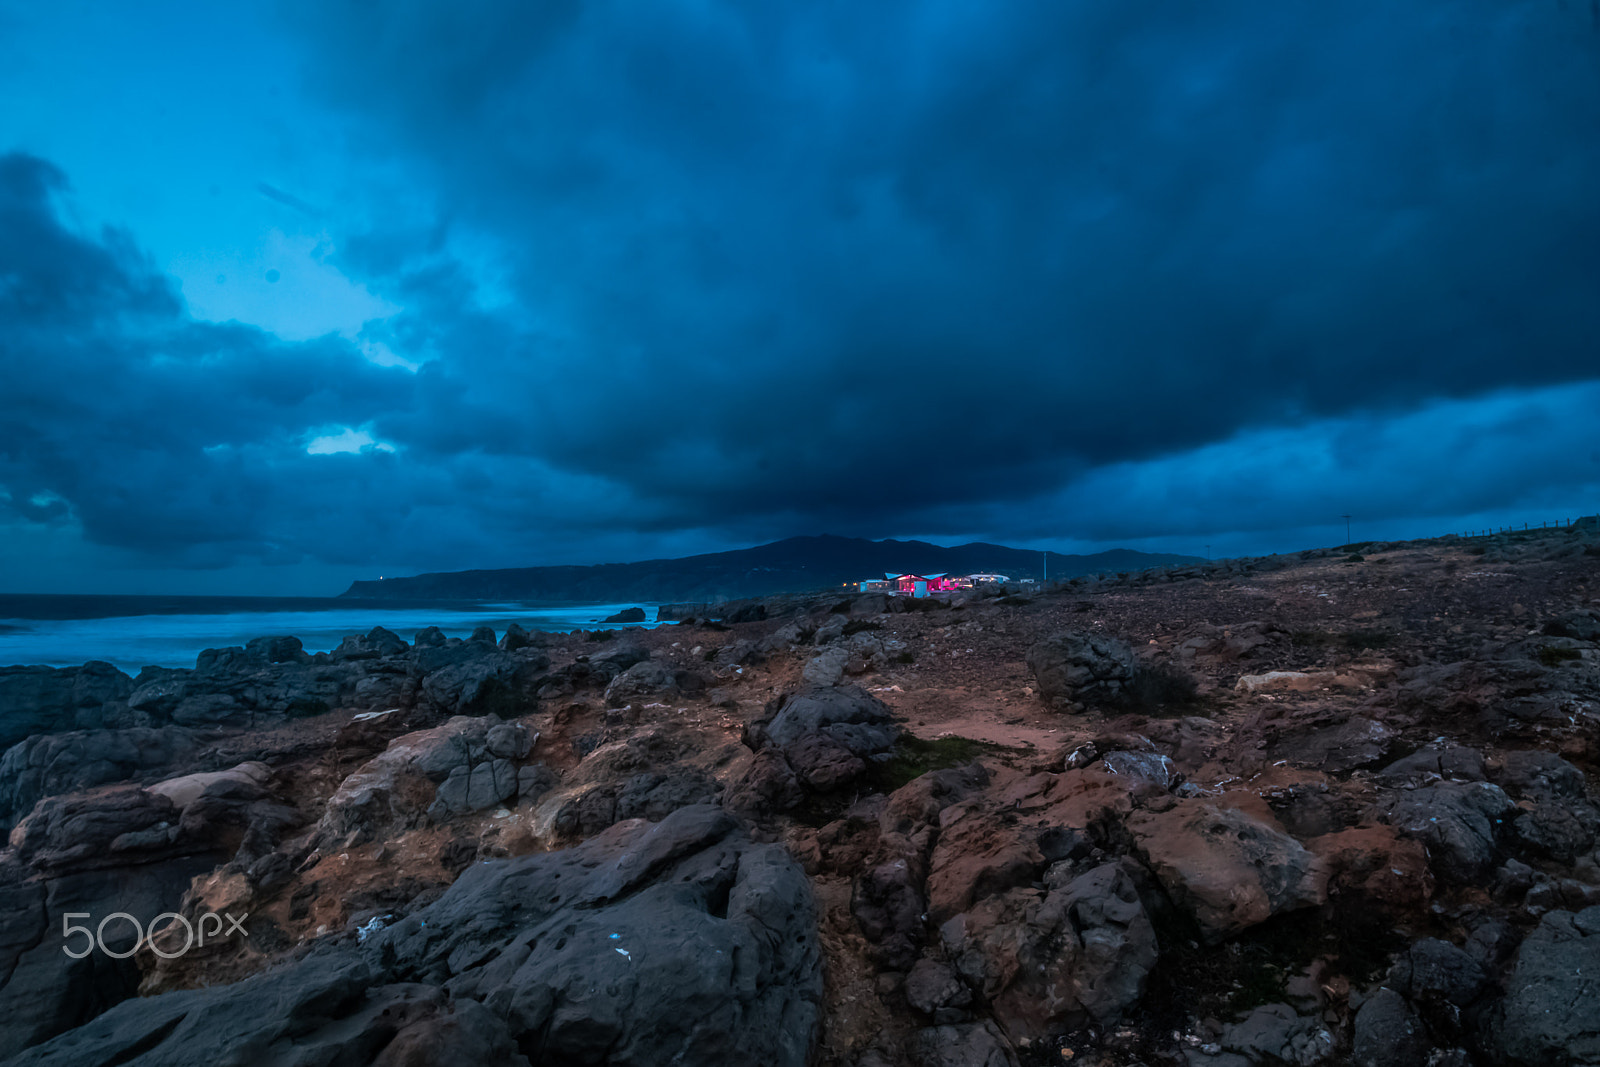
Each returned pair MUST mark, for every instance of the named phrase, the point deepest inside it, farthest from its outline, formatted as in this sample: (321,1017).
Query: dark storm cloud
(818,264)
(154,431)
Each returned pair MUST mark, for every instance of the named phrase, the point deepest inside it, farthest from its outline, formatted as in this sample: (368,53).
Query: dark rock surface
(674,942)
(1071,666)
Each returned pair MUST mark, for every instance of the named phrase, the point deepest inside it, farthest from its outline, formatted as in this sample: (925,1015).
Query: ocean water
(133,632)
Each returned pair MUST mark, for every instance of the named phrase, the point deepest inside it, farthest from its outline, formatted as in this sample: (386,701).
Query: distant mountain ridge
(798,564)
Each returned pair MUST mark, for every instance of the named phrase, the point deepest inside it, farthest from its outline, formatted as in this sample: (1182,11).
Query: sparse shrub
(1355,557)
(1476,550)
(1157,687)
(1551,656)
(305,707)
(904,657)
(1014,601)
(601,635)
(856,626)
(914,757)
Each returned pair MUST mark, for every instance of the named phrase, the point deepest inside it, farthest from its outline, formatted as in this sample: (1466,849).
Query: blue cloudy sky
(294,293)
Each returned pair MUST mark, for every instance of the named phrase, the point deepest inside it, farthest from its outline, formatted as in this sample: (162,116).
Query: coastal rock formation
(654,942)
(624,847)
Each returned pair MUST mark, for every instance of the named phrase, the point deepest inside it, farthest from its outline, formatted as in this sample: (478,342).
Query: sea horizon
(134,631)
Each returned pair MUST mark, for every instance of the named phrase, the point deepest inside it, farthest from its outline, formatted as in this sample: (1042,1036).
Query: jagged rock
(1151,768)
(679,940)
(1228,868)
(1045,962)
(376,643)
(510,740)
(1072,666)
(285,649)
(431,637)
(642,679)
(534,780)
(823,764)
(1435,970)
(1455,762)
(473,788)
(932,986)
(1388,1033)
(848,714)
(965,1045)
(654,796)
(1276,1033)
(39,700)
(1548,1015)
(1357,742)
(52,764)
(393,790)
(1372,865)
(516,637)
(626,615)
(618,658)
(767,786)
(1582,624)
(1542,774)
(826,667)
(1460,823)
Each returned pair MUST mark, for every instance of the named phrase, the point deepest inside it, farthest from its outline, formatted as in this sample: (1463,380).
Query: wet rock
(1149,767)
(626,615)
(1548,1015)
(1388,1033)
(1228,868)
(1071,666)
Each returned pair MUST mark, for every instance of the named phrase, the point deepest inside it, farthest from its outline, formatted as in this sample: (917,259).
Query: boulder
(1276,1033)
(1548,1015)
(826,667)
(1230,869)
(965,1045)
(1453,762)
(52,764)
(645,678)
(1435,971)
(1388,1033)
(626,615)
(1461,823)
(1076,955)
(618,658)
(39,700)
(1072,666)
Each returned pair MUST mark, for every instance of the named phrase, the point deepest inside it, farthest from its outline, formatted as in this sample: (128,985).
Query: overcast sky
(296,293)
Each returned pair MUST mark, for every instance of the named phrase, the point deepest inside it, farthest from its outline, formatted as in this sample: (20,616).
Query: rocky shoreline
(1326,808)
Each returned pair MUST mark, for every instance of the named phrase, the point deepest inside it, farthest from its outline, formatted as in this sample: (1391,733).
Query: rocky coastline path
(1335,807)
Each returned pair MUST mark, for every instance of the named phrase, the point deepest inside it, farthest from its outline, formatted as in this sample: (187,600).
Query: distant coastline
(132,632)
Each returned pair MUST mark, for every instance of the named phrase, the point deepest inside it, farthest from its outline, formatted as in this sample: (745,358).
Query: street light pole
(1346,519)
